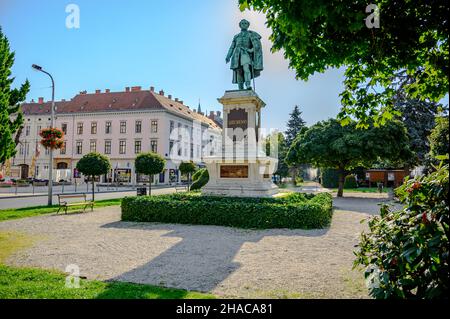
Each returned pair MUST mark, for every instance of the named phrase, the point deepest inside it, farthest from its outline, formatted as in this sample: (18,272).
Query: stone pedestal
(241,168)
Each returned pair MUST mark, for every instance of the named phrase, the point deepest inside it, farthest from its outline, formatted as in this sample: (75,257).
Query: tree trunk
(341,183)
(150,179)
(93,188)
(189,182)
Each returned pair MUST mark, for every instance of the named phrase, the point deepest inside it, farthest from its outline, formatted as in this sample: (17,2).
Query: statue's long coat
(256,55)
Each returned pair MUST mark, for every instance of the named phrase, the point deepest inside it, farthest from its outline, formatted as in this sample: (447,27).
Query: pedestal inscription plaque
(233,171)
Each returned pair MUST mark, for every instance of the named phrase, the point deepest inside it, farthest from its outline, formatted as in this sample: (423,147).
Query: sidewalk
(80,190)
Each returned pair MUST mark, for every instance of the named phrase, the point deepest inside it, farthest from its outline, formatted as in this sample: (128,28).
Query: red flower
(425,218)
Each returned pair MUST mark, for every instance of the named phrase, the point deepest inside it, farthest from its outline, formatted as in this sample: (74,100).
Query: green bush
(200,179)
(295,210)
(350,182)
(329,177)
(406,251)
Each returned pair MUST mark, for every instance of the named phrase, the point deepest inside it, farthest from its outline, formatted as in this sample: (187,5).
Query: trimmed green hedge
(295,210)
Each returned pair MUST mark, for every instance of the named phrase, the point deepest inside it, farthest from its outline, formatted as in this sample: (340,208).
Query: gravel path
(225,261)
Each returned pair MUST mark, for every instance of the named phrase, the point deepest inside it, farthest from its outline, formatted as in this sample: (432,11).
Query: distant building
(389,177)
(119,125)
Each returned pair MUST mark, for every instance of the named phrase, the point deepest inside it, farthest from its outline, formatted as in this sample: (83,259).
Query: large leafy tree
(94,164)
(328,144)
(11,118)
(408,51)
(149,164)
(419,120)
(439,137)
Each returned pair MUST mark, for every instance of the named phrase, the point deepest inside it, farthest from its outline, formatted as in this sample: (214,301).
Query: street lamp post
(50,166)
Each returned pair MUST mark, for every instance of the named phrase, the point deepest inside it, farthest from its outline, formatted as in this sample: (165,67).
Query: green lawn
(30,283)
(363,190)
(39,283)
(15,213)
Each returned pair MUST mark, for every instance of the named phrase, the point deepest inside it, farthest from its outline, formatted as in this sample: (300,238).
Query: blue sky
(175,45)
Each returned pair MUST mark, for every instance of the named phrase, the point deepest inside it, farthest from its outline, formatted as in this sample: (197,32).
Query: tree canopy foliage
(439,137)
(328,144)
(11,117)
(409,50)
(94,164)
(294,126)
(149,164)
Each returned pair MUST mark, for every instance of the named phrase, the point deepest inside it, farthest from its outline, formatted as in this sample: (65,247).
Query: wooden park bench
(64,202)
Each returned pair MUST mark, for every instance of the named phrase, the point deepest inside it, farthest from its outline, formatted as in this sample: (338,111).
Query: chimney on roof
(41,100)
(180,101)
(176,99)
(107,90)
(135,88)
(62,100)
(83,92)
(152,89)
(169,96)
(127,89)
(211,114)
(32,101)
(161,92)
(98,91)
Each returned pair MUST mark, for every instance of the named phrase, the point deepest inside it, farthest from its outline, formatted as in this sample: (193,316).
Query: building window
(27,130)
(138,127)
(62,150)
(122,147)
(21,149)
(64,128)
(94,128)
(79,128)
(137,147)
(123,127)
(172,126)
(154,126)
(107,147)
(39,129)
(170,147)
(47,151)
(93,146)
(154,146)
(108,127)
(179,131)
(79,147)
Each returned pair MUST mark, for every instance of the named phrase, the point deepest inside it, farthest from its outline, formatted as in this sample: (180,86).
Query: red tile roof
(117,101)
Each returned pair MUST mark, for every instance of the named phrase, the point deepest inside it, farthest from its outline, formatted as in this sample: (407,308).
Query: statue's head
(244,24)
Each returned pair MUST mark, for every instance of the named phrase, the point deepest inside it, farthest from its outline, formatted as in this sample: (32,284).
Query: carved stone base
(240,170)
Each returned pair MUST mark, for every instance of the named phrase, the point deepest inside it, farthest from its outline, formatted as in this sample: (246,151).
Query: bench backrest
(65,198)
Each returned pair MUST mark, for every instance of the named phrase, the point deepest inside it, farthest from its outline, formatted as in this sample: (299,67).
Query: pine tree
(11,117)
(294,125)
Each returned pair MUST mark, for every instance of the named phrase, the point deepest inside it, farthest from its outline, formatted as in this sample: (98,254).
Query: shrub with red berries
(52,138)
(406,251)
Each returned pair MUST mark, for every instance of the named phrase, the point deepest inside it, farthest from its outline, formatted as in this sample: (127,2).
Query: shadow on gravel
(203,258)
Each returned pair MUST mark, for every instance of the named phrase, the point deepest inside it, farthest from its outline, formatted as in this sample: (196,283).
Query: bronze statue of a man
(246,57)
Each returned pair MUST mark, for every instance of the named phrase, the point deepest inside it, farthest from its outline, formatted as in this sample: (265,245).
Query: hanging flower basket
(52,138)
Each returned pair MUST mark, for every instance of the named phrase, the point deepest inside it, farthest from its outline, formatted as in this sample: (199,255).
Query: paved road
(42,200)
